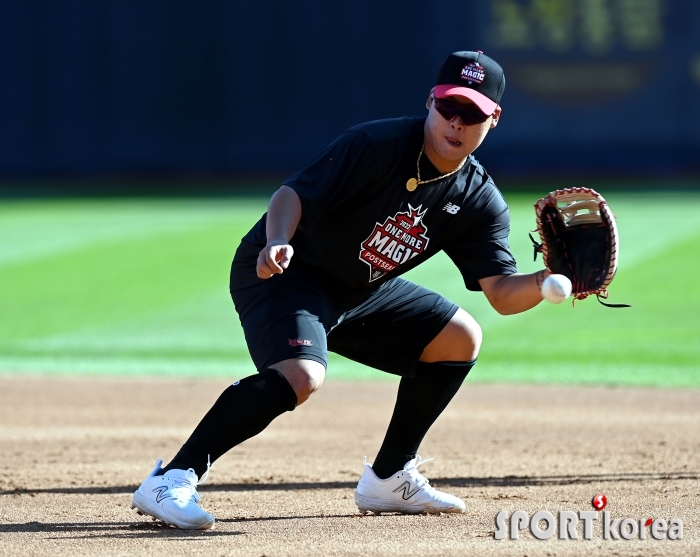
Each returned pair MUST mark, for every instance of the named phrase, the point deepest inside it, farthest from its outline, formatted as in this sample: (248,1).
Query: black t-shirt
(360,226)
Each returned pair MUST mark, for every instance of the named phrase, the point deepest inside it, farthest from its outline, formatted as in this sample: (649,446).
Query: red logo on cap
(473,73)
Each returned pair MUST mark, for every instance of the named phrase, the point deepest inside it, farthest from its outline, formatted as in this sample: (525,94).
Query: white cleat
(173,498)
(406,491)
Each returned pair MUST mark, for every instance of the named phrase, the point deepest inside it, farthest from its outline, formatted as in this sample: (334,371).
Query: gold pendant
(412,184)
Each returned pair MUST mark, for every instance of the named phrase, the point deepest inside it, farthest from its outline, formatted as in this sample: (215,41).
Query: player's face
(448,142)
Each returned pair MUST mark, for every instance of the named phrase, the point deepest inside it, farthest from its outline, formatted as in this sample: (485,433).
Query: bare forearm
(283,216)
(510,294)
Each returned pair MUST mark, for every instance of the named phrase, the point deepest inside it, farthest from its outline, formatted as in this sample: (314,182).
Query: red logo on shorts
(299,342)
(391,244)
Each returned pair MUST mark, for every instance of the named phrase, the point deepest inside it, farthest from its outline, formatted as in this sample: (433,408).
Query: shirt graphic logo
(299,342)
(451,208)
(391,244)
(473,73)
(405,488)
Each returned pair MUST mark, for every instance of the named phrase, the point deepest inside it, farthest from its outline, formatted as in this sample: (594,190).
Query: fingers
(263,269)
(285,256)
(267,266)
(273,260)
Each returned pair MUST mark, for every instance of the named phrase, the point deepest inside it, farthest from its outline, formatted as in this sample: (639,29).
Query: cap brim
(487,106)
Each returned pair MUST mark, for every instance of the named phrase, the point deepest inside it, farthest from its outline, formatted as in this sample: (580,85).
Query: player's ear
(496,117)
(430,96)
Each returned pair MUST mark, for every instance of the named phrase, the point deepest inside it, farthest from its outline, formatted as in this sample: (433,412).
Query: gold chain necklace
(413,183)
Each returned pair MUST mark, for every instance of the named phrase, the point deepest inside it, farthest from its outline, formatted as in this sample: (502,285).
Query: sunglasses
(469,114)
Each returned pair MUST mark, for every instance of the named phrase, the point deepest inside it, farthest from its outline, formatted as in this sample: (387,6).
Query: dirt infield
(74,449)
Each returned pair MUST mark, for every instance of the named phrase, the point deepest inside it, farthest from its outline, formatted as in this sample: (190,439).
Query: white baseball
(556,288)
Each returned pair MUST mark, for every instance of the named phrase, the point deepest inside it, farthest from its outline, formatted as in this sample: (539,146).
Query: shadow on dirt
(293,517)
(79,530)
(516,481)
(503,481)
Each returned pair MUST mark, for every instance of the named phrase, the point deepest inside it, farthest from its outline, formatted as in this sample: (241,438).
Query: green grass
(141,287)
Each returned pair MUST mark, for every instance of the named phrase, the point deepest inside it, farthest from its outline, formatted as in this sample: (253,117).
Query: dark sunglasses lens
(469,116)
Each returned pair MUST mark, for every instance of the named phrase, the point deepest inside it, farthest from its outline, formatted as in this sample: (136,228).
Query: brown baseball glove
(579,240)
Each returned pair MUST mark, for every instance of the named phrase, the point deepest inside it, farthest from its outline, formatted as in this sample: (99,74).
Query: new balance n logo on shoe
(451,208)
(161,493)
(406,488)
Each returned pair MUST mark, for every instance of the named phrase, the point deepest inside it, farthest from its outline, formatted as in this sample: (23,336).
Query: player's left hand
(274,258)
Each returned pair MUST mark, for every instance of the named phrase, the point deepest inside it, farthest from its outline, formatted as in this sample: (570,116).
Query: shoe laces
(420,461)
(186,489)
(205,476)
(419,479)
(159,464)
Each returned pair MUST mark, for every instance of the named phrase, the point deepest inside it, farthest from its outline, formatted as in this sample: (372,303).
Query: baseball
(556,288)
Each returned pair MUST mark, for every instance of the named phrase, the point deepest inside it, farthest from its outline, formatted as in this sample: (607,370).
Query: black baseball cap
(472,75)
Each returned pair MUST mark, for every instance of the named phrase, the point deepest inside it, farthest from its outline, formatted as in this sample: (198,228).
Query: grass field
(141,287)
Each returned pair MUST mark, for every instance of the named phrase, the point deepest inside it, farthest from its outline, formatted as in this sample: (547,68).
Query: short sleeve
(483,251)
(345,166)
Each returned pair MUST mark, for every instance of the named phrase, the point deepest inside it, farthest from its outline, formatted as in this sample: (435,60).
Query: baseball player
(321,271)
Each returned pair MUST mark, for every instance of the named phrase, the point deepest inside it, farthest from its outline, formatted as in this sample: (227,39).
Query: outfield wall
(225,86)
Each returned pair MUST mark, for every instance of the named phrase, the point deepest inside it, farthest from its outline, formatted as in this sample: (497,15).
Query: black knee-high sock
(420,401)
(242,411)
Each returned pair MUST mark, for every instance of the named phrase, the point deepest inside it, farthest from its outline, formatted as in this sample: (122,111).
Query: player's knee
(305,376)
(472,335)
(467,339)
(459,341)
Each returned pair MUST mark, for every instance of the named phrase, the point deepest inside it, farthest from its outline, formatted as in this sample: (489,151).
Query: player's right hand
(273,259)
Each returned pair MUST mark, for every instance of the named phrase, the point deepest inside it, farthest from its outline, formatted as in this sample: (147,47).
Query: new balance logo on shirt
(451,208)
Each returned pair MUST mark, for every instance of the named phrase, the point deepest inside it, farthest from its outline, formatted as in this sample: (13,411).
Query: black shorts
(293,315)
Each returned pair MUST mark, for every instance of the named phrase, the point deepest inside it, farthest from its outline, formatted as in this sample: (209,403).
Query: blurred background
(156,95)
(139,141)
